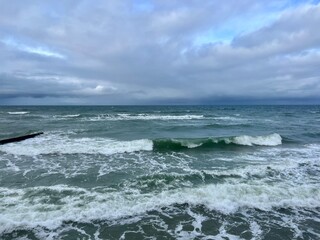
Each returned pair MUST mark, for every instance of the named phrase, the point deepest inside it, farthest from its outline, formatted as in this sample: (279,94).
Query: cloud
(120,52)
(33,50)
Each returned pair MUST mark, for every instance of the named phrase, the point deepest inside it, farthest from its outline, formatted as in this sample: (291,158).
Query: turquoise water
(161,172)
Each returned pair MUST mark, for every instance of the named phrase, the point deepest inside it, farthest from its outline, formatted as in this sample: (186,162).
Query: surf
(18,113)
(219,142)
(59,144)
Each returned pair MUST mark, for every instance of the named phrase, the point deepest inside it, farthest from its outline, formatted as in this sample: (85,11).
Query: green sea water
(160,172)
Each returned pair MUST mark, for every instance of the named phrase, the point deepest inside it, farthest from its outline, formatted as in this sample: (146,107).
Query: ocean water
(161,172)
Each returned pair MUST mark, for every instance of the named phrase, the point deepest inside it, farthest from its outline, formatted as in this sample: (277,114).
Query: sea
(160,172)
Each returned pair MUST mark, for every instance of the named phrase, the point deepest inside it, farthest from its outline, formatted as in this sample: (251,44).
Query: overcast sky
(159,52)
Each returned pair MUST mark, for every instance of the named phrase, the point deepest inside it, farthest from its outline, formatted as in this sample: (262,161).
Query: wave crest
(79,204)
(56,144)
(268,140)
(125,116)
(244,140)
(17,113)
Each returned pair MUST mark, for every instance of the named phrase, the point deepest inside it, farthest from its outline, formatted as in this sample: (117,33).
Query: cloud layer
(159,52)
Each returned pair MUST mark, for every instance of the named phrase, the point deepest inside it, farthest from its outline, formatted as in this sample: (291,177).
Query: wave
(71,115)
(63,117)
(188,127)
(26,208)
(244,140)
(59,144)
(125,116)
(17,113)
(228,118)
(225,120)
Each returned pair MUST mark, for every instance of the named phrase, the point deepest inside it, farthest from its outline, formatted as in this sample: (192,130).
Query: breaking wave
(17,113)
(244,140)
(56,144)
(79,204)
(70,115)
(66,117)
(125,116)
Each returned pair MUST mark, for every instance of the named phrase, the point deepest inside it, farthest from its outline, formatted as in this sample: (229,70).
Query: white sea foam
(159,117)
(228,118)
(268,140)
(25,207)
(57,144)
(256,230)
(17,113)
(191,145)
(124,116)
(223,234)
(64,117)
(70,115)
(32,207)
(188,144)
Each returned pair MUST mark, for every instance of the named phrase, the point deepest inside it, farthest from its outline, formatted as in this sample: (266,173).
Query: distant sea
(160,172)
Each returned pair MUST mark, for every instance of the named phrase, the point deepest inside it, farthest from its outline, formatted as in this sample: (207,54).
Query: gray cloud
(124,52)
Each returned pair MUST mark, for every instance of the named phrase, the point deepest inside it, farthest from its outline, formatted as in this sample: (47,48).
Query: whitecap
(17,113)
(79,204)
(267,140)
(126,117)
(70,115)
(57,144)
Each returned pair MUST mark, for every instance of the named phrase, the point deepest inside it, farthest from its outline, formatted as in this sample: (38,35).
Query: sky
(81,52)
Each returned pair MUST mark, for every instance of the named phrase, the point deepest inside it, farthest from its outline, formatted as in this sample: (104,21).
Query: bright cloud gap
(33,50)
